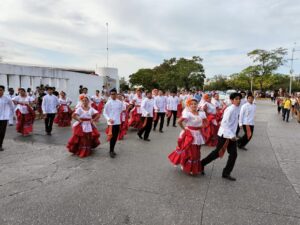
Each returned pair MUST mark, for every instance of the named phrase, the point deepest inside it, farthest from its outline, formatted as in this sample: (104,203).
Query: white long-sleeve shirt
(112,111)
(6,107)
(247,114)
(229,122)
(49,104)
(147,107)
(160,104)
(172,103)
(137,102)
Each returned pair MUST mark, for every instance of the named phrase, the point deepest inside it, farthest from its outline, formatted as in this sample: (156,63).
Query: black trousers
(3,125)
(237,130)
(146,129)
(285,114)
(113,140)
(232,151)
(161,117)
(243,141)
(49,122)
(174,114)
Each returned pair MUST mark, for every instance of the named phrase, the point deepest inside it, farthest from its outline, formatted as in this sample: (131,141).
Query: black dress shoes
(228,177)
(160,131)
(147,139)
(1,149)
(140,136)
(112,154)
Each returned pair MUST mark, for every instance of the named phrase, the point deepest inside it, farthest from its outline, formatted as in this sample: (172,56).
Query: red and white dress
(64,113)
(25,114)
(210,131)
(124,121)
(98,103)
(187,152)
(136,113)
(85,134)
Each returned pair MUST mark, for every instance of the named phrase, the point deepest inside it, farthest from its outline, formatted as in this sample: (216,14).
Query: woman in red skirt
(24,112)
(98,102)
(64,112)
(85,134)
(210,131)
(187,152)
(124,118)
(136,113)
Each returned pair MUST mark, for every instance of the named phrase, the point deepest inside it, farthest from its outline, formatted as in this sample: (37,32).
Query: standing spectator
(297,108)
(287,105)
(11,95)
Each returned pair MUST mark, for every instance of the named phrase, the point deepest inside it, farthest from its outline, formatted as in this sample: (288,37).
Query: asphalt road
(41,183)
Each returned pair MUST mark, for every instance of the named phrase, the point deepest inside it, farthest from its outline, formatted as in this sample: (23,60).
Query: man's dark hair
(2,87)
(234,95)
(113,90)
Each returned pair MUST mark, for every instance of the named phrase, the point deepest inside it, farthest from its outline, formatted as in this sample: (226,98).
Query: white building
(64,79)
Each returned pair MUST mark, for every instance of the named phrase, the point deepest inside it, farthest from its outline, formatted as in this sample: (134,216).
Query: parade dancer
(49,107)
(227,137)
(98,102)
(147,108)
(180,105)
(112,113)
(243,101)
(11,95)
(24,112)
(172,104)
(6,107)
(246,121)
(187,152)
(136,113)
(211,129)
(160,106)
(85,134)
(64,112)
(124,117)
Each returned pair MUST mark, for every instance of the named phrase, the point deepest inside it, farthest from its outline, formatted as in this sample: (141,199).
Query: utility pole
(107,44)
(292,70)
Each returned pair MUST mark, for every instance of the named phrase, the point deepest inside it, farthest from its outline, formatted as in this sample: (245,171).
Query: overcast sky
(144,32)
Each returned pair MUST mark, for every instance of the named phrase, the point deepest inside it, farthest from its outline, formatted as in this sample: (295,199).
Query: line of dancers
(203,121)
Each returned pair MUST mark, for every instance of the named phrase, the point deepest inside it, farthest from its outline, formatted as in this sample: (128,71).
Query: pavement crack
(267,212)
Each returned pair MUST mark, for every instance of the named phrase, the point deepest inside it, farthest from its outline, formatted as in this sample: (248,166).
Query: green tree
(266,62)
(145,78)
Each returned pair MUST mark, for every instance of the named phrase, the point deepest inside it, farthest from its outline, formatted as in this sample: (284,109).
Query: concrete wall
(112,73)
(16,76)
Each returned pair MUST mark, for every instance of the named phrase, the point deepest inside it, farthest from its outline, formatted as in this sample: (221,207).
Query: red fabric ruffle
(25,121)
(82,143)
(135,119)
(63,119)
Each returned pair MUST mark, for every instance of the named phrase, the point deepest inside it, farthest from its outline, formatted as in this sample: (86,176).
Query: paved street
(41,183)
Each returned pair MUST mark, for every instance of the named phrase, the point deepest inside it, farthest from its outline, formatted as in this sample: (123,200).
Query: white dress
(86,125)
(192,120)
(65,102)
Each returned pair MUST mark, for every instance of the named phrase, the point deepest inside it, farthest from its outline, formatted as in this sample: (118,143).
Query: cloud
(142,33)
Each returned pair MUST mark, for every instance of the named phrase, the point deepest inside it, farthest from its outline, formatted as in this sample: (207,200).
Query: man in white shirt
(246,121)
(227,137)
(49,107)
(172,105)
(112,113)
(6,106)
(11,95)
(243,101)
(147,108)
(160,106)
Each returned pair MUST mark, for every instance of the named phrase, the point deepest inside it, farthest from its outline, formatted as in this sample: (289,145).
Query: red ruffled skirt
(210,131)
(123,128)
(135,120)
(63,119)
(25,122)
(187,155)
(179,110)
(82,143)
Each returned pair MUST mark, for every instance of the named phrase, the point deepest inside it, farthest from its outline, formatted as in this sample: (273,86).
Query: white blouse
(23,100)
(138,103)
(65,102)
(192,120)
(86,125)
